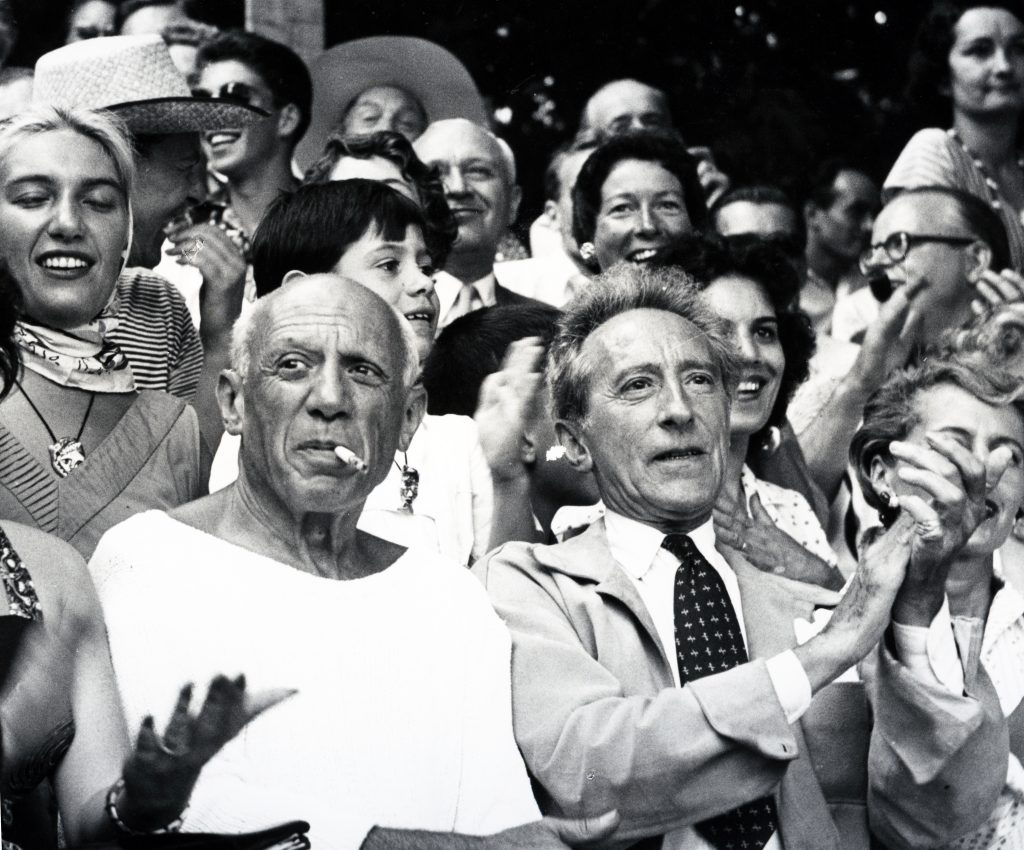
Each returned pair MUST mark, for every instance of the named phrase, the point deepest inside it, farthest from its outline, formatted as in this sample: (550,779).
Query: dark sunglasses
(240,93)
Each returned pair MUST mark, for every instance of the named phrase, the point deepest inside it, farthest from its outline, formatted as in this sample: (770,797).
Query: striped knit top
(932,158)
(157,335)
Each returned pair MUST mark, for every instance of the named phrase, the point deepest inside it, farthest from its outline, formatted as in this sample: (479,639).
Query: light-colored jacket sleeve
(598,726)
(937,761)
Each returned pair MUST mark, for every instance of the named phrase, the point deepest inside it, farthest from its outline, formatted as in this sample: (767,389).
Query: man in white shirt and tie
(479,175)
(648,671)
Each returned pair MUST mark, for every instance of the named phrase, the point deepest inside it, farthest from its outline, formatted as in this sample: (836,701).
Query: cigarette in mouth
(346,455)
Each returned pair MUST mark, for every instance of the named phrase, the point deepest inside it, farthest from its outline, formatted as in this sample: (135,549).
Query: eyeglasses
(897,245)
(240,93)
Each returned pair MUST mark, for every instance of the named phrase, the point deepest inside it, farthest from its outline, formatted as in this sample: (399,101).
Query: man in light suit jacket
(622,696)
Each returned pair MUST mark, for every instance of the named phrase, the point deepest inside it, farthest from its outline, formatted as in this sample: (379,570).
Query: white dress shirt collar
(448,287)
(634,544)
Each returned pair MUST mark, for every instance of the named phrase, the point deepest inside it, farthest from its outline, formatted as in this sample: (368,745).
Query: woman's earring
(890,508)
(587,251)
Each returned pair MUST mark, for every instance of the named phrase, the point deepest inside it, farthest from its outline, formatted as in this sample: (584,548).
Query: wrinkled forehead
(330,323)
(646,336)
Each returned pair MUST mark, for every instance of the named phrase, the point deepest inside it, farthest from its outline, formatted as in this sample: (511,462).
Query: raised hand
(946,504)
(890,339)
(996,288)
(161,772)
(506,407)
(766,546)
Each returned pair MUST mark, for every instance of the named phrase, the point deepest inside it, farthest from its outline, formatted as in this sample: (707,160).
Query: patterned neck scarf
(79,357)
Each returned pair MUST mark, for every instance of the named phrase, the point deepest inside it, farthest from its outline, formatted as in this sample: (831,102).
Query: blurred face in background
(385,108)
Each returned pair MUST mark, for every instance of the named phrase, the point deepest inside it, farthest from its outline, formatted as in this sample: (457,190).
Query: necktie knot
(682,547)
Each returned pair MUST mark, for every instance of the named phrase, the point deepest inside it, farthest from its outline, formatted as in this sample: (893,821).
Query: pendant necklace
(66,453)
(410,488)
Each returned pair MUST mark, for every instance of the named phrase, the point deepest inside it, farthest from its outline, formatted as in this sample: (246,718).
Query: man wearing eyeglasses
(932,253)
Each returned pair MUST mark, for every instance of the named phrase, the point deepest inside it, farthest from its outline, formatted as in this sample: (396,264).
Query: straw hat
(424,69)
(134,77)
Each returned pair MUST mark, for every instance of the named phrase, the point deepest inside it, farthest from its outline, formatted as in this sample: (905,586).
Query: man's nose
(675,409)
(1000,61)
(196,184)
(454,183)
(329,397)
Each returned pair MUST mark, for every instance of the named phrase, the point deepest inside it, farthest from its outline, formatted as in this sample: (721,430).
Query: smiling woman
(634,197)
(968,64)
(84,449)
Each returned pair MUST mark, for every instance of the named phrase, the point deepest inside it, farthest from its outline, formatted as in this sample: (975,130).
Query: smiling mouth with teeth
(644,256)
(64,263)
(418,317)
(752,386)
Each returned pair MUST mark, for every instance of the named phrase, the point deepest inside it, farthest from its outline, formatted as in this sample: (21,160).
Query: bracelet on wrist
(122,827)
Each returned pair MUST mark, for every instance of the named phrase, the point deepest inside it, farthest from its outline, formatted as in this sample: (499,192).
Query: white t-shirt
(403,712)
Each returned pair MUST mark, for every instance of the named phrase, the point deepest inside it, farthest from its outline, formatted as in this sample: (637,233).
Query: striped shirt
(157,335)
(932,158)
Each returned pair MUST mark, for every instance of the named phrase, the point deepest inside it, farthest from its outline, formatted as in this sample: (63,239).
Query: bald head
(316,298)
(319,363)
(625,105)
(479,175)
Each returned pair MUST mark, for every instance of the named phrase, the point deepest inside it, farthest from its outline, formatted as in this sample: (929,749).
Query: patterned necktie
(708,641)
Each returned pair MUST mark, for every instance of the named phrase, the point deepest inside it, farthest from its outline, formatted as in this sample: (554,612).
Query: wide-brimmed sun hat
(134,77)
(426,70)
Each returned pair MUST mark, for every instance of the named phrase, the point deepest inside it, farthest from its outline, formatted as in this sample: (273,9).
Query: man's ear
(289,117)
(415,408)
(979,260)
(231,400)
(515,197)
(550,217)
(576,452)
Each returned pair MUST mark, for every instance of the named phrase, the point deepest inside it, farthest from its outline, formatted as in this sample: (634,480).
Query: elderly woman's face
(754,332)
(643,211)
(400,272)
(986,62)
(64,225)
(386,108)
(374,168)
(981,428)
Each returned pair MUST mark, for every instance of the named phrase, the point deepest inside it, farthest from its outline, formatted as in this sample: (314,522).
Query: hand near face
(891,338)
(997,288)
(161,772)
(766,546)
(946,504)
(506,407)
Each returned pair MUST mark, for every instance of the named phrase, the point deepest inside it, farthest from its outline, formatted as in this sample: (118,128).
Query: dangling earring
(587,251)
(410,488)
(890,509)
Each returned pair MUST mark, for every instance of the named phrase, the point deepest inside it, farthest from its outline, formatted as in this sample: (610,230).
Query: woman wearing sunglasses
(968,66)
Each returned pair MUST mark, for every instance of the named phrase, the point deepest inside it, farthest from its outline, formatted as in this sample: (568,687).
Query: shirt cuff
(791,684)
(930,653)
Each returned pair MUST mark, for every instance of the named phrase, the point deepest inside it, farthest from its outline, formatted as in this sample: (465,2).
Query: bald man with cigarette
(400,732)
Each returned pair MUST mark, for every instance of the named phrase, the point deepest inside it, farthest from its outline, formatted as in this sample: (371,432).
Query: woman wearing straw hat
(82,448)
